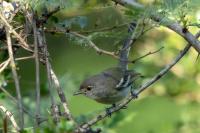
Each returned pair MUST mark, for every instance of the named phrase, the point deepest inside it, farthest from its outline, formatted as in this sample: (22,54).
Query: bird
(109,86)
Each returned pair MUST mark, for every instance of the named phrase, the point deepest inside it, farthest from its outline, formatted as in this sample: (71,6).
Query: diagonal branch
(103,115)
(4,65)
(97,49)
(15,77)
(54,107)
(61,95)
(22,41)
(176,27)
(147,54)
(10,116)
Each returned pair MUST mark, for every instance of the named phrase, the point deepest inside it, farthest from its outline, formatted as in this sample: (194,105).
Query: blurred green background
(171,105)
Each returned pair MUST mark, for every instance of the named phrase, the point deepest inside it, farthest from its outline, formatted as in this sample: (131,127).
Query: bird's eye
(89,88)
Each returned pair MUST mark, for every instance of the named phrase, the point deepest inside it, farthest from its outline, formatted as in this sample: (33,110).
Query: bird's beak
(77,93)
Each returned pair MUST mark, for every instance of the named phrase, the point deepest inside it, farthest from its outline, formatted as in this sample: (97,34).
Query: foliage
(172,105)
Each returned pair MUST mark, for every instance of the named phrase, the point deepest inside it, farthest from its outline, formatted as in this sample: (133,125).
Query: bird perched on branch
(114,84)
(110,86)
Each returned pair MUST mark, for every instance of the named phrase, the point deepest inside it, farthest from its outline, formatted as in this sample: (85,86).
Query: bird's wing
(122,79)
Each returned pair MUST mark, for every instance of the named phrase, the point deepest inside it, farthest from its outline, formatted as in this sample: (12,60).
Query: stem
(16,79)
(37,73)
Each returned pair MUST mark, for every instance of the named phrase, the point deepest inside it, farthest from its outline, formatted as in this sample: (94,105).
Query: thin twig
(61,95)
(22,41)
(147,54)
(10,116)
(103,115)
(24,58)
(55,30)
(97,49)
(15,77)
(174,26)
(54,107)
(4,65)
(37,72)
(54,78)
(103,29)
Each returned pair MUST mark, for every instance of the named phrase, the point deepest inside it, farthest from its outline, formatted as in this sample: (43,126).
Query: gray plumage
(110,86)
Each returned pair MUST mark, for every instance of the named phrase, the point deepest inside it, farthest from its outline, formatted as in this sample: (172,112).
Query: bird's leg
(108,112)
(133,93)
(113,105)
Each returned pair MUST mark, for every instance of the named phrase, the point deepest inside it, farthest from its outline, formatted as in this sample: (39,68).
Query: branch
(22,41)
(55,30)
(52,76)
(182,31)
(97,49)
(59,90)
(15,77)
(25,58)
(37,71)
(10,116)
(149,53)
(124,51)
(128,3)
(4,65)
(61,95)
(54,107)
(103,115)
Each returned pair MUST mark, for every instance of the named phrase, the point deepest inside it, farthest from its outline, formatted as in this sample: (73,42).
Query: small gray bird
(110,86)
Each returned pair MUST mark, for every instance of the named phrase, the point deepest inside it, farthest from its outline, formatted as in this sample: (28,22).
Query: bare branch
(10,116)
(37,71)
(22,41)
(182,31)
(55,30)
(54,107)
(61,95)
(25,58)
(133,3)
(15,77)
(103,115)
(147,54)
(97,49)
(4,65)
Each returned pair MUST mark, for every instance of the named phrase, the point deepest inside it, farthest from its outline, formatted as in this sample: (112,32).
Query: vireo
(110,86)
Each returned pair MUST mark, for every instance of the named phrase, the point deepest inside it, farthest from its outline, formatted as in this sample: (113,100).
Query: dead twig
(147,54)
(22,41)
(10,116)
(15,77)
(24,58)
(4,65)
(61,95)
(54,106)
(97,49)
(55,30)
(59,90)
(37,71)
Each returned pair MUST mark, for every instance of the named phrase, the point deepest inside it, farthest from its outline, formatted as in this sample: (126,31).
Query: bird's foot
(108,110)
(134,94)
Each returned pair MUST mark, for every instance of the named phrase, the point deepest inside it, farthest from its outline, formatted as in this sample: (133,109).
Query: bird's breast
(112,97)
